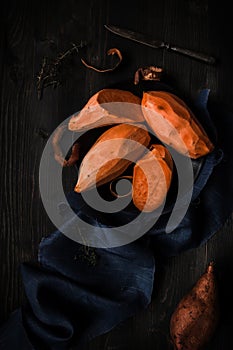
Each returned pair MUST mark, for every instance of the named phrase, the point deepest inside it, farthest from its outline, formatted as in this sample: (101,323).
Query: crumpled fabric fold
(75,293)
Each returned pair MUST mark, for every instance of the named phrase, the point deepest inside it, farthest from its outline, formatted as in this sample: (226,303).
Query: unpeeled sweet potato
(107,158)
(195,319)
(175,124)
(152,178)
(106,107)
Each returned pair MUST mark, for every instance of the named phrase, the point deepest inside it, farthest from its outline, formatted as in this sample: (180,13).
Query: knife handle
(197,55)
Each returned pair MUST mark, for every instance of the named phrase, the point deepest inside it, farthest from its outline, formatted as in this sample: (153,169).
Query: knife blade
(143,39)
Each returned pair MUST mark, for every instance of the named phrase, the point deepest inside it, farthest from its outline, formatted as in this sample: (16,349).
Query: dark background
(31,30)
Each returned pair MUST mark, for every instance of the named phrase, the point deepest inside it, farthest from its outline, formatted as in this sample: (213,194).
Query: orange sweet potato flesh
(99,111)
(175,124)
(107,160)
(194,321)
(152,178)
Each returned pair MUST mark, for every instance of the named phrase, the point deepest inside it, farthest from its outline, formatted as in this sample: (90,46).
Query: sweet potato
(107,160)
(152,178)
(99,111)
(175,124)
(195,319)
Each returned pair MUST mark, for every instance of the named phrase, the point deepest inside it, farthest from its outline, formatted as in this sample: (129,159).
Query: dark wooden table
(32,30)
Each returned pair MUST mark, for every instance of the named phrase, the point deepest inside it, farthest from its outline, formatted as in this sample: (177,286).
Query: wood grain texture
(32,30)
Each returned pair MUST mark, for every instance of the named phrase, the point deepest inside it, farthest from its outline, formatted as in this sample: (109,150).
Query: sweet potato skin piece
(150,191)
(95,170)
(175,124)
(99,112)
(194,321)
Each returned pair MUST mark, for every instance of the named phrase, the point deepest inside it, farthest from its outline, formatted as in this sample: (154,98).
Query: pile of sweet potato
(131,120)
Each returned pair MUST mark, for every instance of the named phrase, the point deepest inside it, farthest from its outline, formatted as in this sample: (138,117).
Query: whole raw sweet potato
(152,178)
(175,124)
(107,158)
(100,111)
(196,316)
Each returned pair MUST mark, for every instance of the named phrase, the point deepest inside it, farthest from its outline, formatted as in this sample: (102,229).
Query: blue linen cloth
(74,294)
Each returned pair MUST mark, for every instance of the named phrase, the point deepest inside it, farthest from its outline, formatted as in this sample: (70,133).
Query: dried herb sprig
(85,253)
(88,255)
(49,73)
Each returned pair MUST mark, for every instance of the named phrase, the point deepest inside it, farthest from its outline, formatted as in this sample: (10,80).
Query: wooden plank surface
(31,30)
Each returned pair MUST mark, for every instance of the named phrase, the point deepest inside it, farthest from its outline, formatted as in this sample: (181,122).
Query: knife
(142,39)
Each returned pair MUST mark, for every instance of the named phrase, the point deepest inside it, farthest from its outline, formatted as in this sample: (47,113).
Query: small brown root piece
(148,73)
(194,321)
(74,157)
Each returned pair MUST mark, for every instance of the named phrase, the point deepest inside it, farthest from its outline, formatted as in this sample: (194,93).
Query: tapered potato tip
(210,267)
(195,318)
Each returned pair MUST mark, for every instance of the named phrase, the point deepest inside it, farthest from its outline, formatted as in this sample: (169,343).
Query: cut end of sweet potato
(152,178)
(107,107)
(175,124)
(111,155)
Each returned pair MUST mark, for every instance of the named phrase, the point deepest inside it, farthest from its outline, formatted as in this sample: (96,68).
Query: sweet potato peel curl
(110,52)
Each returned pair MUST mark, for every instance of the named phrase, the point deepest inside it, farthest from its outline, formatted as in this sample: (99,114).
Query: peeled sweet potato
(152,178)
(175,124)
(106,160)
(99,111)
(195,319)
